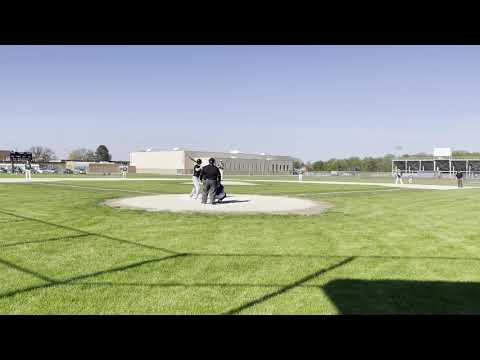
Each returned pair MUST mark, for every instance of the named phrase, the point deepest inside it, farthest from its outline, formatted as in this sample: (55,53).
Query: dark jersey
(210,172)
(196,170)
(459,175)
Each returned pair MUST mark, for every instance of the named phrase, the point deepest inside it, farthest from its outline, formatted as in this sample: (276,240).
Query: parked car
(3,170)
(80,171)
(68,171)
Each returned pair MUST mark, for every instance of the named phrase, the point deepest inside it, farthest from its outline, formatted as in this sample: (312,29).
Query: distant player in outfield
(300,175)
(459,176)
(398,177)
(124,171)
(410,179)
(28,171)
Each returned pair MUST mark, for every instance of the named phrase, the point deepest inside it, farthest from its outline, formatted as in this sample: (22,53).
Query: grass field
(373,252)
(445,180)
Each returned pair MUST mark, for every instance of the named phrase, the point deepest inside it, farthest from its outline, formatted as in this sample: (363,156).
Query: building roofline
(225,154)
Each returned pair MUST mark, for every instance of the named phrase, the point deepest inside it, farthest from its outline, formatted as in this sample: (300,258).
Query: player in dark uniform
(459,176)
(196,178)
(211,174)
(124,171)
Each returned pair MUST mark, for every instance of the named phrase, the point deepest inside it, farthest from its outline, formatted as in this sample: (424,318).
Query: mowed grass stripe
(88,233)
(43,241)
(97,188)
(53,282)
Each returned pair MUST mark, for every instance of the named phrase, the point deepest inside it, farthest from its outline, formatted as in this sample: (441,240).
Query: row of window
(254,166)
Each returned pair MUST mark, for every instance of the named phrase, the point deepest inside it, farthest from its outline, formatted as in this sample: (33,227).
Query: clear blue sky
(313,102)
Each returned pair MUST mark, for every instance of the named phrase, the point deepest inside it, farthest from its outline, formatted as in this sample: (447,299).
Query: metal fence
(347,173)
(471,175)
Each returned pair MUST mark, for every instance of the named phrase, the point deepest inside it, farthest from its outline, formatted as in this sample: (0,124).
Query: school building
(178,162)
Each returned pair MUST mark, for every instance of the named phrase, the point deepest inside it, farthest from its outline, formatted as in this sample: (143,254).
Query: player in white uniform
(300,175)
(28,171)
(221,167)
(398,177)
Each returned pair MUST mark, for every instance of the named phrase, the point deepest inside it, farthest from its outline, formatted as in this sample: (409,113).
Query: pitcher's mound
(231,204)
(228,182)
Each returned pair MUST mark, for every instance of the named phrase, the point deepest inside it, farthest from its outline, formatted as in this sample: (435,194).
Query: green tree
(318,165)
(102,154)
(297,164)
(353,163)
(330,165)
(464,154)
(82,155)
(371,164)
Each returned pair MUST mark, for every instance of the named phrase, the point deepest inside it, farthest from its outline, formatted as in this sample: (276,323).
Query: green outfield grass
(80,176)
(445,180)
(376,251)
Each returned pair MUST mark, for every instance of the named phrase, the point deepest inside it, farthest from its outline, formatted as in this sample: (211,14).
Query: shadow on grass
(381,297)
(11,221)
(2,211)
(286,288)
(26,271)
(54,282)
(43,241)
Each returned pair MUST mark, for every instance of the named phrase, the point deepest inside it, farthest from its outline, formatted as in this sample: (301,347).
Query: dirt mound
(231,204)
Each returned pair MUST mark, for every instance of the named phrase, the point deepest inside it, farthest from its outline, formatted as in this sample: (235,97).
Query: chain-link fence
(348,173)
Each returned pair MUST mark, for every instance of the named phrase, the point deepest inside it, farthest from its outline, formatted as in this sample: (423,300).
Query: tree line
(382,164)
(45,154)
(375,164)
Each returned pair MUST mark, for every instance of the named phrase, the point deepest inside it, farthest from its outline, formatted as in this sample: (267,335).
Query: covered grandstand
(441,162)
